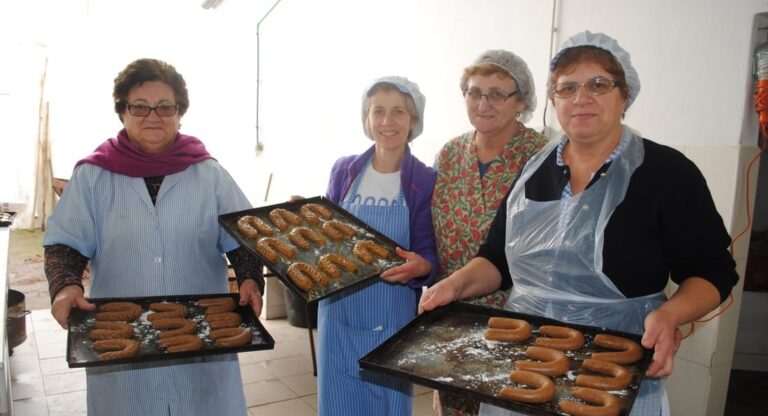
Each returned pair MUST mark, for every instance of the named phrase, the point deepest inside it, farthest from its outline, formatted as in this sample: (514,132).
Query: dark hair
(589,54)
(147,70)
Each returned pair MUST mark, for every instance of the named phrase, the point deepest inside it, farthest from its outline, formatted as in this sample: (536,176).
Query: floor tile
(311,401)
(290,366)
(418,389)
(302,384)
(251,373)
(57,365)
(295,407)
(422,405)
(64,383)
(264,392)
(42,320)
(288,333)
(24,369)
(281,350)
(50,337)
(27,389)
(68,404)
(26,349)
(53,350)
(31,407)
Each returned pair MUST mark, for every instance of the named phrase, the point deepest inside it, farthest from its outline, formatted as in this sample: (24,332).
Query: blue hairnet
(405,86)
(610,45)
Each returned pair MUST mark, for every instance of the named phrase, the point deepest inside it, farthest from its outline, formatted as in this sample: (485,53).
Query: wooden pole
(40,158)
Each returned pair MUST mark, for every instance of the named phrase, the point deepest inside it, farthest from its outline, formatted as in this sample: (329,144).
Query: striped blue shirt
(137,248)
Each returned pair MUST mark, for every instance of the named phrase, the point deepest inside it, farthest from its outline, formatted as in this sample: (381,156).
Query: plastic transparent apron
(557,267)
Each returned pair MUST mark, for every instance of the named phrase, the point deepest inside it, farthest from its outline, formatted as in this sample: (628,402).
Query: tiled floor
(276,382)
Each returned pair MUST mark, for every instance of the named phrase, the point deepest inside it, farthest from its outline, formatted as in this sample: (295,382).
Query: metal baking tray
(347,281)
(81,354)
(446,349)
(6,218)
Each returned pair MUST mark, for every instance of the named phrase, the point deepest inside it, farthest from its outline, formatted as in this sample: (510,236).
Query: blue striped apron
(352,324)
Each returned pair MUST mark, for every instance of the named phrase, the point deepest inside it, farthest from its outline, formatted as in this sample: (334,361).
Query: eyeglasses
(162,110)
(593,87)
(493,97)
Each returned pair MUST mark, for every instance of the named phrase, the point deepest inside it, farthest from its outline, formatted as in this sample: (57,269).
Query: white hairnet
(405,86)
(518,70)
(610,45)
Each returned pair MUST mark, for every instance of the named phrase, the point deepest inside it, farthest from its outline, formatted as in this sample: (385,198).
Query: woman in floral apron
(476,170)
(598,221)
(390,190)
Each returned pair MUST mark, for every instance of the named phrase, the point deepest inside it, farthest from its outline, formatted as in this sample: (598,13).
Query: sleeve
(493,247)
(423,234)
(246,266)
(64,266)
(73,221)
(229,198)
(335,181)
(694,234)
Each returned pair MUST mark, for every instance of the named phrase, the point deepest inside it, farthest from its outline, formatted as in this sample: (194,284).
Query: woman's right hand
(67,298)
(295,198)
(437,295)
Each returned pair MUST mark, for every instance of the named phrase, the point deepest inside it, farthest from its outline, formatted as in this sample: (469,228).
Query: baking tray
(446,349)
(347,281)
(6,218)
(81,354)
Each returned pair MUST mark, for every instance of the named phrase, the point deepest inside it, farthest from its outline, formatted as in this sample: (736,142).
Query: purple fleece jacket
(417,181)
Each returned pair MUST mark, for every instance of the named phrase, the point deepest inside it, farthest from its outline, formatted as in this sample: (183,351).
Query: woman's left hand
(414,266)
(662,335)
(249,293)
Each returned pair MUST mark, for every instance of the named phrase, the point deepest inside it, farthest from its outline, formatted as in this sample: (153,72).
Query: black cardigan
(666,226)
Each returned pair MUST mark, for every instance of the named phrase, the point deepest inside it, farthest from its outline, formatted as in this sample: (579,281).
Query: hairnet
(406,87)
(610,45)
(518,70)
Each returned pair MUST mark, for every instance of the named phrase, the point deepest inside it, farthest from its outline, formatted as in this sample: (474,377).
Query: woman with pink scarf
(143,210)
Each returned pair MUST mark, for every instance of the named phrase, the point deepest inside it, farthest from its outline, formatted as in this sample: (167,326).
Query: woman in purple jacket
(390,190)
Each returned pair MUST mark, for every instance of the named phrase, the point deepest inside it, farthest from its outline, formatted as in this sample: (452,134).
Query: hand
(414,266)
(661,334)
(67,298)
(437,295)
(295,198)
(249,293)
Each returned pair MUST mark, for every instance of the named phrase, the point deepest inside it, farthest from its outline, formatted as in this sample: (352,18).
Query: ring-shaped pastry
(269,247)
(560,337)
(507,329)
(332,262)
(605,404)
(618,377)
(627,351)
(231,337)
(542,388)
(116,348)
(551,362)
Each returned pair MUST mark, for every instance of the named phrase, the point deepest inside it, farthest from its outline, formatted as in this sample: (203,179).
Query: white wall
(693,58)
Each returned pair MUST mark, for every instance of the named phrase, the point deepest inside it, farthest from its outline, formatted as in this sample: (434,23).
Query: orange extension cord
(761,107)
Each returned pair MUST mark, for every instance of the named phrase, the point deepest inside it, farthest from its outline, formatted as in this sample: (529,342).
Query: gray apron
(556,260)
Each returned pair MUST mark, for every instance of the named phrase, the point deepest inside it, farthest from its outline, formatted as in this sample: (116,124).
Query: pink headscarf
(122,156)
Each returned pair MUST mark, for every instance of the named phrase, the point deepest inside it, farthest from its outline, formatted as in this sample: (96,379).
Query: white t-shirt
(378,188)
